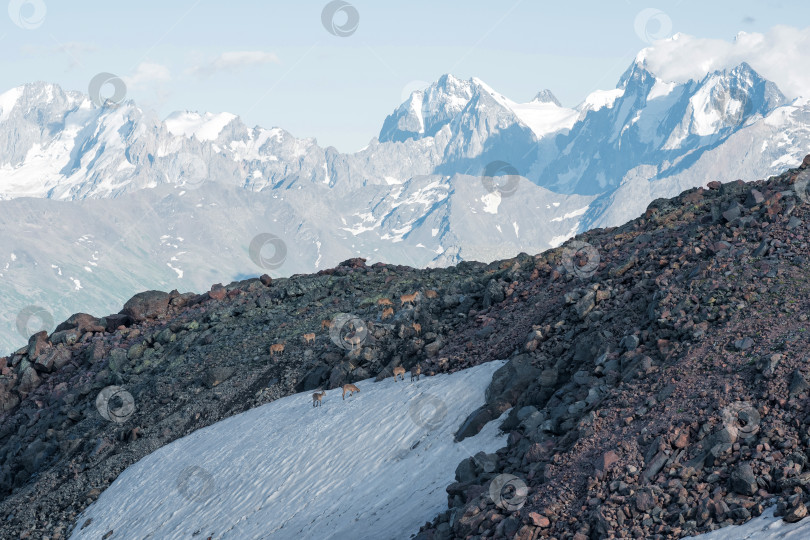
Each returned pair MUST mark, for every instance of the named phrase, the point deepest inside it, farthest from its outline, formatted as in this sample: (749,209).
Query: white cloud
(74,49)
(146,74)
(780,55)
(234,60)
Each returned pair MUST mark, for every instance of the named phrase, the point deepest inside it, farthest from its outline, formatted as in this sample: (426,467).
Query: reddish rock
(80,321)
(539,520)
(605,461)
(714,184)
(52,360)
(217,292)
(681,440)
(525,533)
(147,305)
(795,514)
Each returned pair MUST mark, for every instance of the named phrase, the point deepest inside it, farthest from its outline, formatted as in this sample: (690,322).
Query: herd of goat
(388,311)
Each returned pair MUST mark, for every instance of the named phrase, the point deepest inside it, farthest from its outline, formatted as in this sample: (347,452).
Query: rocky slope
(656,373)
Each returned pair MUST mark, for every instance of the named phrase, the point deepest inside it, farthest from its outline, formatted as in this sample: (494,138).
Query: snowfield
(764,527)
(374,466)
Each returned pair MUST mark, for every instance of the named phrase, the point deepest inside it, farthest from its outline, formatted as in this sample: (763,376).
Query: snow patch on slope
(7,101)
(764,527)
(601,98)
(205,127)
(366,467)
(541,117)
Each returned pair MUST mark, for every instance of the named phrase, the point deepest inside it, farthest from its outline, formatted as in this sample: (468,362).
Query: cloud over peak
(233,60)
(779,55)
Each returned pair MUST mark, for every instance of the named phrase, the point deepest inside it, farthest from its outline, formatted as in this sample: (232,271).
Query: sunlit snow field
(764,527)
(374,466)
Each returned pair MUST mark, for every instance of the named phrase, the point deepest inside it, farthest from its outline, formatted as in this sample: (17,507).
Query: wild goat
(350,388)
(309,338)
(326,323)
(408,298)
(387,312)
(415,372)
(399,370)
(354,340)
(431,294)
(316,398)
(384,302)
(276,348)
(417,328)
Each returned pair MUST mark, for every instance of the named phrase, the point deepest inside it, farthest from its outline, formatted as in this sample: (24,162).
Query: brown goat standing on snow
(350,388)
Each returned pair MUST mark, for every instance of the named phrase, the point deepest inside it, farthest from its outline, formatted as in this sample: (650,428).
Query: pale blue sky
(339,89)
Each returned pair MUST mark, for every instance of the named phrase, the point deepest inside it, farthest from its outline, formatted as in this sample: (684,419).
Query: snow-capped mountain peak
(204,127)
(426,111)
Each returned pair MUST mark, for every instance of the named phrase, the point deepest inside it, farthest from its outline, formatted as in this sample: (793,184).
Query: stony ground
(657,373)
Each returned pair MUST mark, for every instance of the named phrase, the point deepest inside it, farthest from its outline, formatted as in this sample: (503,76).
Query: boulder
(217,292)
(112,322)
(52,360)
(147,305)
(37,343)
(81,322)
(797,384)
(314,378)
(29,380)
(742,480)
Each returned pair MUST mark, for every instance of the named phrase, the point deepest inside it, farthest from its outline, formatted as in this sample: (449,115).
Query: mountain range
(97,203)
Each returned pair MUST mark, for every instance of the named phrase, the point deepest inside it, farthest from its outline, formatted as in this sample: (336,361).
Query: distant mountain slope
(416,195)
